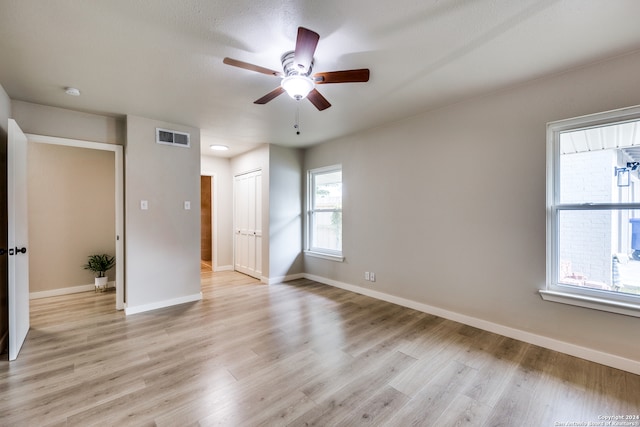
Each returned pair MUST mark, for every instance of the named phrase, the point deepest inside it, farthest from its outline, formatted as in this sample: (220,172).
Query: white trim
(282,279)
(54,140)
(323,253)
(214,213)
(223,268)
(619,302)
(591,302)
(325,169)
(337,258)
(590,354)
(119,198)
(162,304)
(67,291)
(62,291)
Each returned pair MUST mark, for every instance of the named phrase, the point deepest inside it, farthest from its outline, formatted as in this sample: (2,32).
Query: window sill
(336,258)
(601,304)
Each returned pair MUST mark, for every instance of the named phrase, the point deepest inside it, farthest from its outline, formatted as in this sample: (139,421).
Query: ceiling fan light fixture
(298,87)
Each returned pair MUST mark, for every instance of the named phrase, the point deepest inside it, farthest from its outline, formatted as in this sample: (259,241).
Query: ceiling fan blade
(318,100)
(268,97)
(347,76)
(251,67)
(305,48)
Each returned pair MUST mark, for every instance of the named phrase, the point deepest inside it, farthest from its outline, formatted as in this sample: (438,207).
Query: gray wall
(5,110)
(448,207)
(162,246)
(52,121)
(285,212)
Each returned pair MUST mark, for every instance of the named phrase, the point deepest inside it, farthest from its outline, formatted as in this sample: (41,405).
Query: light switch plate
(144,205)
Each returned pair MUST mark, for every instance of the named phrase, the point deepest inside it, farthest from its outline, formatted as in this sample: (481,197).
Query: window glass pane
(328,191)
(600,249)
(600,165)
(327,230)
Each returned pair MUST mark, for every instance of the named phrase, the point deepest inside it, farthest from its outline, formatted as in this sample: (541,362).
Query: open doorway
(69,197)
(206,223)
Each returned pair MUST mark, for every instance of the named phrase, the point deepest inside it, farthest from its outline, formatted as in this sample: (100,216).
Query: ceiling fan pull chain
(296,126)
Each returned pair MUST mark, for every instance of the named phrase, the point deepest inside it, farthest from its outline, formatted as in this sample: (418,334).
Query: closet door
(248,223)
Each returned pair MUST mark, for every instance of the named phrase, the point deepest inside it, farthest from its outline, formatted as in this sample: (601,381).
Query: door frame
(119,198)
(214,219)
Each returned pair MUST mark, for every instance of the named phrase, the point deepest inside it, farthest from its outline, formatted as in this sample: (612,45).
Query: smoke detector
(72,91)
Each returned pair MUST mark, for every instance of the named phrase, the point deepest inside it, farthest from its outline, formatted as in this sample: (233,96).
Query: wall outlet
(366,275)
(372,276)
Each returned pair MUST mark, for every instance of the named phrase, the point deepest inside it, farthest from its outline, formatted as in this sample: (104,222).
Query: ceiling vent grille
(172,137)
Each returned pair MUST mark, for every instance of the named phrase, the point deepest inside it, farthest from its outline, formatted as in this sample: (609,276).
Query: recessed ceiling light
(219,147)
(72,91)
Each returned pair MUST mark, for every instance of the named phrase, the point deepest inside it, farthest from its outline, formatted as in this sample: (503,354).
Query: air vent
(172,137)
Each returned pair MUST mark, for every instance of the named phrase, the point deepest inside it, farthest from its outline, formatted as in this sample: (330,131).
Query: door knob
(21,250)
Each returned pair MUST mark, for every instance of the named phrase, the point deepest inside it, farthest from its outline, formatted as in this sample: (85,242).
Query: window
(324,213)
(593,211)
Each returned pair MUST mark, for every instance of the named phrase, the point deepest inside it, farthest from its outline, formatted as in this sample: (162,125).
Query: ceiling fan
(297,67)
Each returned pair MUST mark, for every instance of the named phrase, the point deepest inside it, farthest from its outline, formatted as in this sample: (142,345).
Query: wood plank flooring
(294,354)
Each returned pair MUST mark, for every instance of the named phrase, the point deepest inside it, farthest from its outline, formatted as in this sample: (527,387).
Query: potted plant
(99,264)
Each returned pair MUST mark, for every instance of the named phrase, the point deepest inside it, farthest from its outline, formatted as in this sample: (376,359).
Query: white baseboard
(223,268)
(274,280)
(586,353)
(162,304)
(66,291)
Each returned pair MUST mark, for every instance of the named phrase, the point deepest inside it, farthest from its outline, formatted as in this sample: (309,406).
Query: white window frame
(574,295)
(318,252)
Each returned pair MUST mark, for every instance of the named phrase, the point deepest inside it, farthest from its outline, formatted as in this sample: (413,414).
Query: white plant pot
(101,283)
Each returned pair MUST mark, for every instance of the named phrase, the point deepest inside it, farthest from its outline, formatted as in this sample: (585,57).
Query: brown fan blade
(318,100)
(305,48)
(347,76)
(251,67)
(268,97)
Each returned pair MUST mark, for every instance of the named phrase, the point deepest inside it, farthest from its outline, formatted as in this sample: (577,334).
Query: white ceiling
(162,59)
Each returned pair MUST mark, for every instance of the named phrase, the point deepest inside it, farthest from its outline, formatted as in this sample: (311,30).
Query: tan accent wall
(71,213)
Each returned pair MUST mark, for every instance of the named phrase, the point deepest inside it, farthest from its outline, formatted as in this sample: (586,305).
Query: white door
(248,223)
(18,239)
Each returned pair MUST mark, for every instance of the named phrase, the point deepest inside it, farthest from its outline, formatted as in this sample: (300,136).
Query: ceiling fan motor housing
(290,68)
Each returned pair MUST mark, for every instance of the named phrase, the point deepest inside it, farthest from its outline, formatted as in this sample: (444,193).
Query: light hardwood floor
(298,354)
